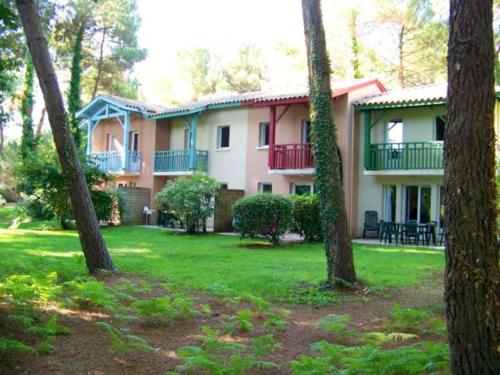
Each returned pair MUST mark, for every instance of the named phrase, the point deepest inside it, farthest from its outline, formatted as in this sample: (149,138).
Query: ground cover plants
(213,304)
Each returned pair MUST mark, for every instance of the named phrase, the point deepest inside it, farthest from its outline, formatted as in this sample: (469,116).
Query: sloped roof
(124,103)
(263,98)
(409,97)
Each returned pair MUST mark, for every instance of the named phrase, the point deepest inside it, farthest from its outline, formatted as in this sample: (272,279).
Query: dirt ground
(87,349)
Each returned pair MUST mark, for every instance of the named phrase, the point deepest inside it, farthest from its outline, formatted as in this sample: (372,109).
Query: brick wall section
(135,200)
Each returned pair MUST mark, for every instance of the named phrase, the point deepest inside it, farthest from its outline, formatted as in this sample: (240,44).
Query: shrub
(191,199)
(263,215)
(306,217)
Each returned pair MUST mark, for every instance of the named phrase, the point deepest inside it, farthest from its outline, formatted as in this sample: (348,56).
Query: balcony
(291,159)
(408,156)
(112,161)
(178,162)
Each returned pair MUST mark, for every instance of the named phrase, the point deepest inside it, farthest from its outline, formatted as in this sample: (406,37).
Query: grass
(199,261)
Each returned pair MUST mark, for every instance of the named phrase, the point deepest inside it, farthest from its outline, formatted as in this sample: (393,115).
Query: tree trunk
(39,127)
(100,63)
(338,243)
(401,70)
(74,101)
(27,137)
(472,286)
(94,248)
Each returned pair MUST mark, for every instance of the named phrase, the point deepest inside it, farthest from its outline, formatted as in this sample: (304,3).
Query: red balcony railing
(291,156)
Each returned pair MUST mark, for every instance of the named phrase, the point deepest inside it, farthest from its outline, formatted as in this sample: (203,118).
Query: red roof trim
(305,98)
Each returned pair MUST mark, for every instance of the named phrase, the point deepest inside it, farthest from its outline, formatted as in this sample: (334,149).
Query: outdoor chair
(442,236)
(392,231)
(382,230)
(411,232)
(371,223)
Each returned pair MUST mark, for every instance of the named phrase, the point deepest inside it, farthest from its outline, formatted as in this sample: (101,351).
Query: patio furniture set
(409,232)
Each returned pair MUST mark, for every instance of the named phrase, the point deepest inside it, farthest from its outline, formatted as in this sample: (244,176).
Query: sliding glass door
(418,203)
(390,203)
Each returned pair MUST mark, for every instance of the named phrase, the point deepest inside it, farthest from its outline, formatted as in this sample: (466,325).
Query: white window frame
(310,184)
(303,130)
(262,134)
(133,134)
(419,201)
(394,121)
(260,187)
(187,138)
(111,142)
(219,137)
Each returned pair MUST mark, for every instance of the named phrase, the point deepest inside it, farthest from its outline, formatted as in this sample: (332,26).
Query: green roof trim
(420,103)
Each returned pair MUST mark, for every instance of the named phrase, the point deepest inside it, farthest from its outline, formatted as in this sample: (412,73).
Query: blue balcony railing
(178,161)
(111,161)
(408,155)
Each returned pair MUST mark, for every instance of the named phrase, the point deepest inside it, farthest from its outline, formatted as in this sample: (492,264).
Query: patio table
(400,232)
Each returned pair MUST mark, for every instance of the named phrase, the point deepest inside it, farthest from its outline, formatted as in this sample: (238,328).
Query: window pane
(390,203)
(411,203)
(302,189)
(265,187)
(224,137)
(395,131)
(306,131)
(425,204)
(440,124)
(264,134)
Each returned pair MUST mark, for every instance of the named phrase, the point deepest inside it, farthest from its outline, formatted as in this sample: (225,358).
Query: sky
(169,26)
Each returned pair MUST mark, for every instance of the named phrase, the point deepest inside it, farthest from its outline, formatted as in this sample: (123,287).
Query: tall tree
(28,136)
(246,72)
(110,48)
(338,243)
(74,93)
(472,285)
(418,38)
(94,248)
(199,72)
(353,32)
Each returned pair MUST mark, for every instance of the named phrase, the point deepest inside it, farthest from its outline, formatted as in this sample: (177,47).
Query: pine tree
(338,243)
(94,248)
(74,94)
(28,137)
(472,283)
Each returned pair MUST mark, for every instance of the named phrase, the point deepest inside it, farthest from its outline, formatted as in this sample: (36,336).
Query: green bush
(263,215)
(306,217)
(192,199)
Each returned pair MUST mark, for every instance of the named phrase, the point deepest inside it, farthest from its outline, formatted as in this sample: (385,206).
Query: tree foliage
(28,135)
(192,199)
(109,49)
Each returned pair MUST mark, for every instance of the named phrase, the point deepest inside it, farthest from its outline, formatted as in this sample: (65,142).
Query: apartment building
(252,142)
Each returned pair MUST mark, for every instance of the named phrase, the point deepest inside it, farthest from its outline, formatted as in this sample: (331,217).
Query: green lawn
(201,260)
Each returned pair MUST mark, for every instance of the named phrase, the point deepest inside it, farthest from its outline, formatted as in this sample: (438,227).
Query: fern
(122,342)
(275,320)
(22,320)
(380,338)
(240,322)
(164,309)
(46,346)
(90,293)
(263,345)
(14,346)
(125,317)
(336,323)
(50,328)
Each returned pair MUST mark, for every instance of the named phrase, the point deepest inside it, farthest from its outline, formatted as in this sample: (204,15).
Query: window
(111,142)
(133,141)
(394,132)
(303,189)
(389,203)
(223,136)
(263,134)
(439,130)
(187,138)
(265,187)
(223,186)
(305,133)
(418,203)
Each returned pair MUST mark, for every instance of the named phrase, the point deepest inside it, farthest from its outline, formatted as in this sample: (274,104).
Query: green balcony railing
(178,161)
(408,155)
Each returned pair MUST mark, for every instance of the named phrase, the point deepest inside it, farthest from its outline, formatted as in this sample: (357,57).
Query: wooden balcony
(405,156)
(291,157)
(112,161)
(179,162)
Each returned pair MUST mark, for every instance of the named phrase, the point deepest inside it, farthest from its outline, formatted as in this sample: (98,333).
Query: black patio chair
(411,232)
(392,231)
(382,230)
(371,223)
(442,236)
